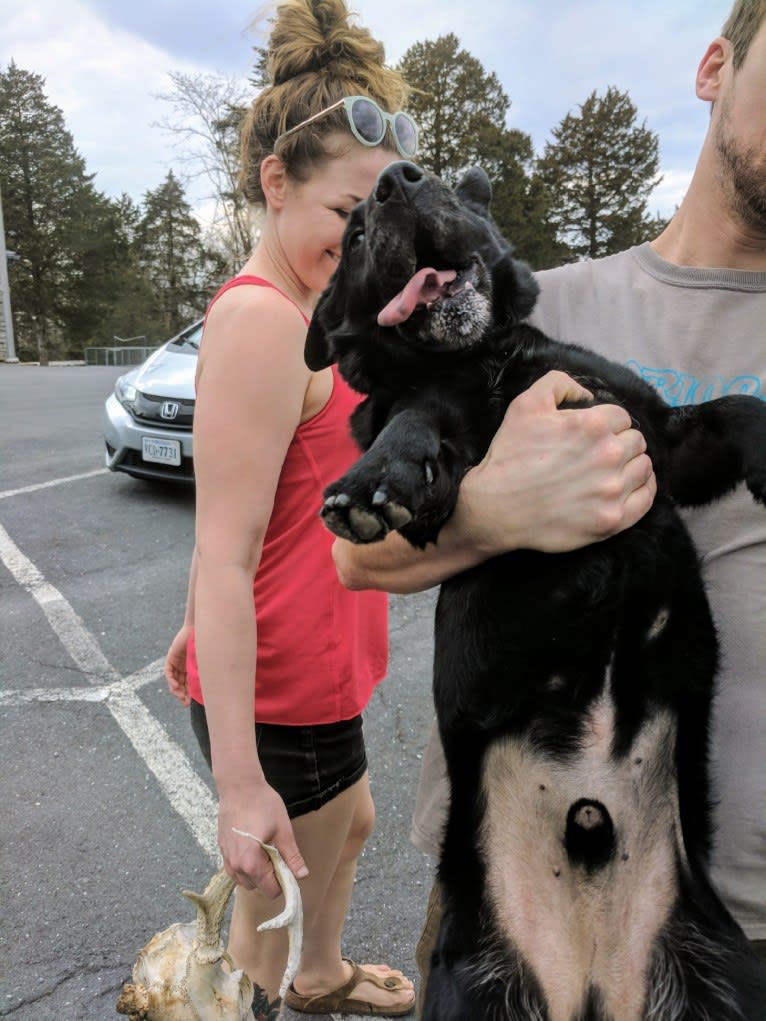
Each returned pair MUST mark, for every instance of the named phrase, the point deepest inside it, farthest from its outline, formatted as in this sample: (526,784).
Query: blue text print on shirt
(681,388)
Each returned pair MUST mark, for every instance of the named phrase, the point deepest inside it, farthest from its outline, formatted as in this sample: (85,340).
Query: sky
(106,64)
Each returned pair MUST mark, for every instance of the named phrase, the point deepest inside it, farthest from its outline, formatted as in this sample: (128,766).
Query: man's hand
(555,480)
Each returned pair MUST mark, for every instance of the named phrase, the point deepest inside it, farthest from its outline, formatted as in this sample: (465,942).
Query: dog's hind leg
(716,445)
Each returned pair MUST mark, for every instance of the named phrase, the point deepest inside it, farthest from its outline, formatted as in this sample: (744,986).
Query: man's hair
(742,26)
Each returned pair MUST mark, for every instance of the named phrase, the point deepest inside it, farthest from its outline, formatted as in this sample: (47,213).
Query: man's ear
(711,70)
(274,180)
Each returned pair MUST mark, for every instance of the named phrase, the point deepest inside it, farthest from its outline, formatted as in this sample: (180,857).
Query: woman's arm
(251,387)
(552,480)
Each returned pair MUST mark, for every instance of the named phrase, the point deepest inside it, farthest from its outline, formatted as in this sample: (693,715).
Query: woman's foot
(373,989)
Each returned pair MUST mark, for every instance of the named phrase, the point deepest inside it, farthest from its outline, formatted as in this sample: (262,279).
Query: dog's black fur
(573,691)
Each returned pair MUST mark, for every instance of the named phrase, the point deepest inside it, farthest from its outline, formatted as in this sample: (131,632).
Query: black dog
(573,690)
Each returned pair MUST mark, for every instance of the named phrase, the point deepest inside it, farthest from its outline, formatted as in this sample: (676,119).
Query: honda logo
(169,410)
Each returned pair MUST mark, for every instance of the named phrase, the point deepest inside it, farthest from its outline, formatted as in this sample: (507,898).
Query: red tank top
(321,649)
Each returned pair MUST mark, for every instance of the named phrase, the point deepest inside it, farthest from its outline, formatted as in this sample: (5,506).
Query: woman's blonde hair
(316,56)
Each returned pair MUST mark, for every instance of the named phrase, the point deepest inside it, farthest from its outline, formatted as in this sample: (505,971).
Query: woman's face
(314,214)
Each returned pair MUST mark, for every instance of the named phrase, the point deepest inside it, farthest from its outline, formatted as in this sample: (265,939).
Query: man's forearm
(395,566)
(552,480)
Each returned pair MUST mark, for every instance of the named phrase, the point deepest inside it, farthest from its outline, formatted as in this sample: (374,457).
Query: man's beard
(743,173)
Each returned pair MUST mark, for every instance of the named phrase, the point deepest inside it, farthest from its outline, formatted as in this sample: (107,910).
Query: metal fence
(117,355)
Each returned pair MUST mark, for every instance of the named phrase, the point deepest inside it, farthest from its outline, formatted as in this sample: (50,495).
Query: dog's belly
(581,860)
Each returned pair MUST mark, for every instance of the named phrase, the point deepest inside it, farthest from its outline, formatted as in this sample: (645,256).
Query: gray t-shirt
(694,334)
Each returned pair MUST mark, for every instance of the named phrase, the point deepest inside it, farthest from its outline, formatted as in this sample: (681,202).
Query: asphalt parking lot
(108,810)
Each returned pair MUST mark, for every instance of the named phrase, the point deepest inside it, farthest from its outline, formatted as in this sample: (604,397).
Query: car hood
(167,374)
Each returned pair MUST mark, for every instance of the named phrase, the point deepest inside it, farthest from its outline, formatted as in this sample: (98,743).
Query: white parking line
(147,674)
(53,482)
(186,792)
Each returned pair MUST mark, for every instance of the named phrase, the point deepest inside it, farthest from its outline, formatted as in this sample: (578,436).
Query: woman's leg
(322,969)
(330,840)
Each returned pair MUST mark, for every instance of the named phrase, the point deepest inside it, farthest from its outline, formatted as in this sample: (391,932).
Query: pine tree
(461,111)
(65,232)
(42,175)
(459,108)
(598,173)
(171,253)
(520,205)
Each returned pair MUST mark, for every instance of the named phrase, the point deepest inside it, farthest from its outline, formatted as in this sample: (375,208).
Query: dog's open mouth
(428,289)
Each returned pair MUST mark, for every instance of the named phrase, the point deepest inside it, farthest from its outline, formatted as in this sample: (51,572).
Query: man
(688,312)
(696,331)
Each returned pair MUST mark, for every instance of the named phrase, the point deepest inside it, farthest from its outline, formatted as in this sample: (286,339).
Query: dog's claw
(338,500)
(395,514)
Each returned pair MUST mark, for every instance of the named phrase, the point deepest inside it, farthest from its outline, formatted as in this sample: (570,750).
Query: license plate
(161,451)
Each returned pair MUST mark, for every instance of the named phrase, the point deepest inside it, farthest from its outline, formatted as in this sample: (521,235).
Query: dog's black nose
(401,179)
(589,836)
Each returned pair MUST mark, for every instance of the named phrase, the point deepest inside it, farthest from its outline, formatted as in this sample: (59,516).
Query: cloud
(106,81)
(105,62)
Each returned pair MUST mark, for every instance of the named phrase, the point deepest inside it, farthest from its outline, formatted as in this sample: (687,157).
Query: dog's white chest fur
(584,920)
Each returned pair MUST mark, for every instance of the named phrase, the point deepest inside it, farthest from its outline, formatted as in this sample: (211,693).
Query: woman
(269,435)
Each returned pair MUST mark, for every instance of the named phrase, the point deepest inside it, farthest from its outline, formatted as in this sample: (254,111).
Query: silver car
(148,418)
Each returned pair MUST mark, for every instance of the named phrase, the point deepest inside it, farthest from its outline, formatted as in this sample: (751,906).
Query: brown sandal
(338,1001)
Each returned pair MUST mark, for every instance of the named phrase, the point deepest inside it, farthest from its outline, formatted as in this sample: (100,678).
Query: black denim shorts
(307,766)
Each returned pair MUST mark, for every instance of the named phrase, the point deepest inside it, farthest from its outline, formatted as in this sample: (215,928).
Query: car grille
(149,410)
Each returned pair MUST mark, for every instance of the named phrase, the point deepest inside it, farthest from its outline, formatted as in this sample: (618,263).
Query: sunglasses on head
(368,124)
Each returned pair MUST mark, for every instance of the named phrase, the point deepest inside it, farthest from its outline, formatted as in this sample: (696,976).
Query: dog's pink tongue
(427,285)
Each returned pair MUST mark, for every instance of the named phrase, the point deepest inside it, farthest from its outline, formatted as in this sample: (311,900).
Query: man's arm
(552,480)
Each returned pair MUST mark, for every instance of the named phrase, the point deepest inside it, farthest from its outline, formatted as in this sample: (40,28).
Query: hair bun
(315,57)
(311,36)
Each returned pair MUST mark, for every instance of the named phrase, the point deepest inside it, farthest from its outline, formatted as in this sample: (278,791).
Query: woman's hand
(556,479)
(175,666)
(257,810)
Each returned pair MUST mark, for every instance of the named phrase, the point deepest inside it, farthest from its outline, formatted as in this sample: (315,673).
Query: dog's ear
(475,190)
(514,288)
(316,352)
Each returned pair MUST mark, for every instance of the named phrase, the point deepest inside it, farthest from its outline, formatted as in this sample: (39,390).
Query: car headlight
(124,391)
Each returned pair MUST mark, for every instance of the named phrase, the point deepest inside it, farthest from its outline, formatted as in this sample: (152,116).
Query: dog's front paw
(363,521)
(377,496)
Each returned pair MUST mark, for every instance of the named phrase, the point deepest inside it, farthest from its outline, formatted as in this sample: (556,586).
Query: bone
(291,917)
(184,973)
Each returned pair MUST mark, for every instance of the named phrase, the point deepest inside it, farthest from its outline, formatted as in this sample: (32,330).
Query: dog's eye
(355,238)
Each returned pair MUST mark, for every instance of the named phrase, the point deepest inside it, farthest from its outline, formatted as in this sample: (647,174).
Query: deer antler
(180,975)
(291,917)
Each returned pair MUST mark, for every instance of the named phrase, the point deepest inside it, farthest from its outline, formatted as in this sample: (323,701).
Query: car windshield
(188,341)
